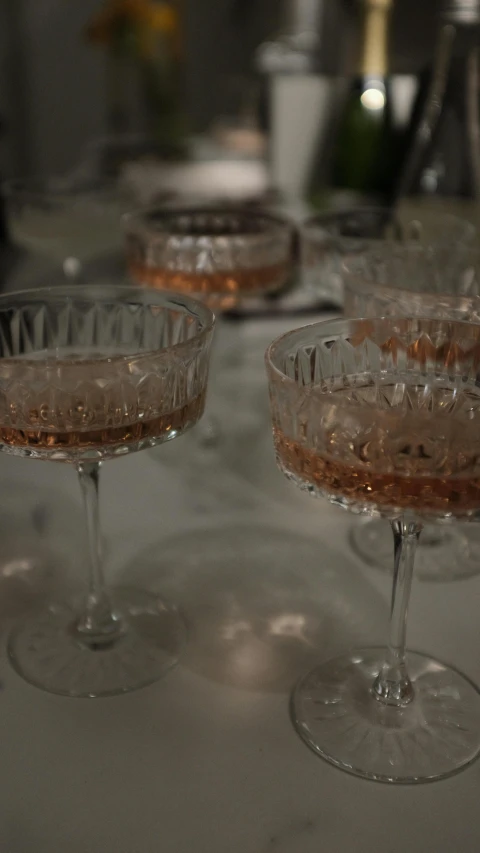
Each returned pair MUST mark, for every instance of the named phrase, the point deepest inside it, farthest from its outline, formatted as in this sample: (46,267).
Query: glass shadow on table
(262,604)
(39,541)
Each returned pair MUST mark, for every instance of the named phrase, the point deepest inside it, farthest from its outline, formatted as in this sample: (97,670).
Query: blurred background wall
(52,84)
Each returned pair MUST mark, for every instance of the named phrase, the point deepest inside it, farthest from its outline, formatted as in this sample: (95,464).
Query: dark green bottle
(365,146)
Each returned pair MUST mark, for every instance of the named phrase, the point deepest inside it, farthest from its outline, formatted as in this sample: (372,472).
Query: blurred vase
(145,70)
(147,96)
(162,86)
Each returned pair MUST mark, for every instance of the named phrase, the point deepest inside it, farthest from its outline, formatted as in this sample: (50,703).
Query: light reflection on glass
(288,625)
(17,567)
(235,629)
(373,98)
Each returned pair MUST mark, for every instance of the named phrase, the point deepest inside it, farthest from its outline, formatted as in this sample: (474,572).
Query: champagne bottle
(365,147)
(443,156)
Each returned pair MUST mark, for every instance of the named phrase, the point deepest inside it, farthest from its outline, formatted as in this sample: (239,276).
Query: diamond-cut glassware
(219,255)
(404,281)
(409,280)
(383,417)
(87,374)
(329,238)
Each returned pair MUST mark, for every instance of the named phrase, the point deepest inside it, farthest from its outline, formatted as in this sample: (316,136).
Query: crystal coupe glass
(405,281)
(218,255)
(383,417)
(90,373)
(329,238)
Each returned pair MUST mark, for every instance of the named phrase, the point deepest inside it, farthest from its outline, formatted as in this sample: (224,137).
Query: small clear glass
(67,224)
(88,374)
(383,416)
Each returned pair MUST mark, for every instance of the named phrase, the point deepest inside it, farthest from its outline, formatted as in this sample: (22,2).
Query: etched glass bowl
(330,238)
(218,255)
(413,281)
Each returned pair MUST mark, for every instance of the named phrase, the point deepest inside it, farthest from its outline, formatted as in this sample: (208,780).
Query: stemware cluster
(384,264)
(379,415)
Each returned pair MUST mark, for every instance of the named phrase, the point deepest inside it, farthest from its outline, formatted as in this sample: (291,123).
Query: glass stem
(99,624)
(392,685)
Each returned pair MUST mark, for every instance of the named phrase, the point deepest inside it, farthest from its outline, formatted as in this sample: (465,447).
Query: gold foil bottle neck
(374,58)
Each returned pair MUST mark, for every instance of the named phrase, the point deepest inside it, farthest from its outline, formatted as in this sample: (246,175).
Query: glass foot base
(336,714)
(443,553)
(48,653)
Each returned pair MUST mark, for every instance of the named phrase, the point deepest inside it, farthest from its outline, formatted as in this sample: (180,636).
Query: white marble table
(206,760)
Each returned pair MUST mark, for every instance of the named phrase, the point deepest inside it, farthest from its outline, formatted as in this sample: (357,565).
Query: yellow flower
(163,18)
(145,17)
